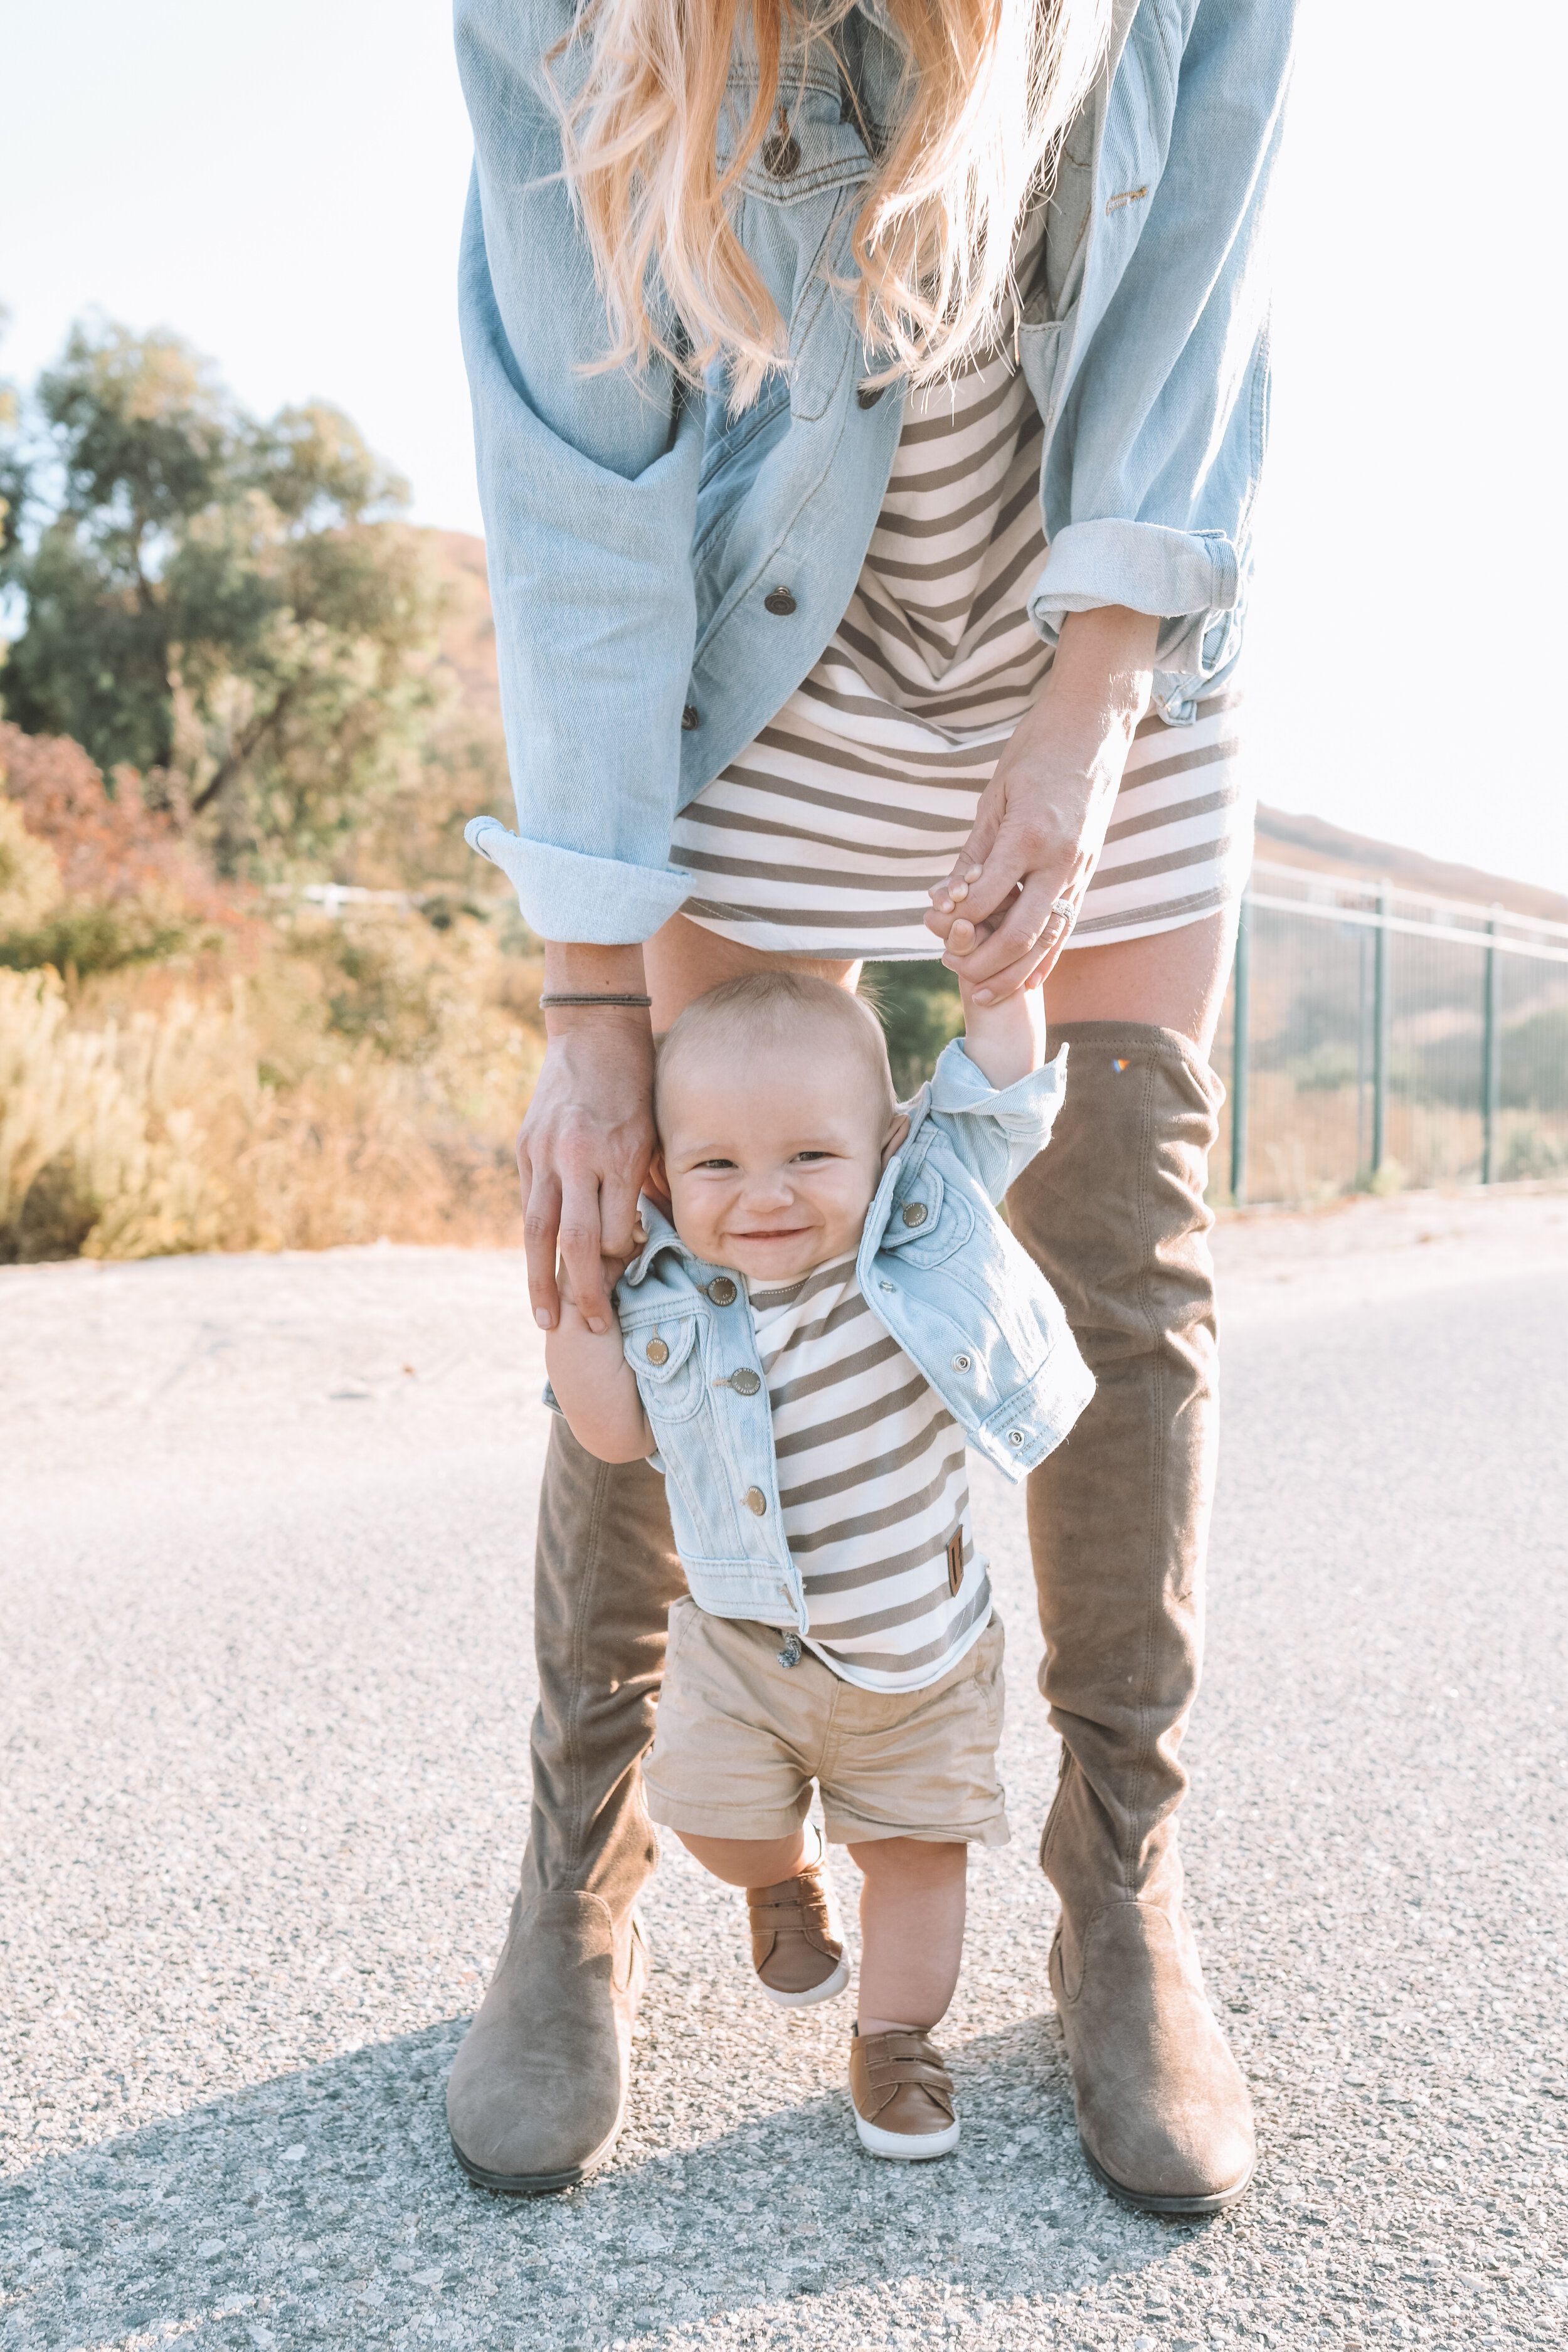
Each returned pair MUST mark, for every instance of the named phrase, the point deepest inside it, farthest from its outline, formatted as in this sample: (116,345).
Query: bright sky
(283,185)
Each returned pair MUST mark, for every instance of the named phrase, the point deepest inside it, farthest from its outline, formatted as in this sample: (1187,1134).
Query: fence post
(1491,1059)
(1238,1056)
(1380,1034)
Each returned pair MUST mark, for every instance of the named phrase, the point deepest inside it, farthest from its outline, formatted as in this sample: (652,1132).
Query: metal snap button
(780,153)
(745,1381)
(657,1352)
(756,1501)
(722,1291)
(867,394)
(960,1363)
(779,600)
(884,1286)
(689,718)
(790,1654)
(914,1212)
(1015,1437)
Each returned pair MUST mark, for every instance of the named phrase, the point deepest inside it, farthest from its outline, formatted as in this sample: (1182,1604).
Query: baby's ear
(658,1181)
(897,1134)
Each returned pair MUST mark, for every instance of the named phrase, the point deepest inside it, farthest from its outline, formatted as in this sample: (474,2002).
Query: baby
(830,1311)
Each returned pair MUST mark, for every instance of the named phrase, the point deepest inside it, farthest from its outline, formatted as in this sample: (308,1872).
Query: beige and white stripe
(825,834)
(873,1485)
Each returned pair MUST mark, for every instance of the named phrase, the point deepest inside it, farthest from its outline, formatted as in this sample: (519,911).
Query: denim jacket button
(867,394)
(657,1352)
(780,155)
(1015,1437)
(756,1500)
(779,600)
(722,1291)
(745,1382)
(691,718)
(960,1363)
(914,1212)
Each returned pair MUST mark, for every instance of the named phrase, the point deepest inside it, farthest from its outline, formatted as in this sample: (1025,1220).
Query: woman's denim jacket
(938,1270)
(664,574)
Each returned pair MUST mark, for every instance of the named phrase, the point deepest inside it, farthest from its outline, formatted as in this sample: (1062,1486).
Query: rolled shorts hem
(839,1828)
(842,1829)
(724,1820)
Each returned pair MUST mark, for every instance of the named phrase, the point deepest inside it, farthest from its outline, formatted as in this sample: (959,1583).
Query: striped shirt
(825,834)
(874,1488)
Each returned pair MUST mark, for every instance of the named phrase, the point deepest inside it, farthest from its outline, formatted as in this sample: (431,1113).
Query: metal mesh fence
(1376,1038)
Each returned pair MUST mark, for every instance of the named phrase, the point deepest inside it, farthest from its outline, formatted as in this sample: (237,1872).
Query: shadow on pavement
(325,2206)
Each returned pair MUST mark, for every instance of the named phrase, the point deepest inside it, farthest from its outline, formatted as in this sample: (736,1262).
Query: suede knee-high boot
(538,2088)
(1113,1213)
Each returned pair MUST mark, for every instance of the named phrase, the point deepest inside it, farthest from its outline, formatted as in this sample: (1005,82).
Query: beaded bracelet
(546,1001)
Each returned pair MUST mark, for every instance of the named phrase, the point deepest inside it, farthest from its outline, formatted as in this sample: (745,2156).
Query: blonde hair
(776,1008)
(989,88)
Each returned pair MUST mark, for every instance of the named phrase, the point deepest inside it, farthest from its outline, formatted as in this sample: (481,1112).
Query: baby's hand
(1006,1040)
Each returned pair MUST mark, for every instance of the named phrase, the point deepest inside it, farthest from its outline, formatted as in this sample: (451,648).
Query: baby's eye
(816,1155)
(712,1163)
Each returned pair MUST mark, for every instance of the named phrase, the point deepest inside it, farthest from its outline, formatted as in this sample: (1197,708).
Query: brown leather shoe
(903,2096)
(797,1950)
(1112,1211)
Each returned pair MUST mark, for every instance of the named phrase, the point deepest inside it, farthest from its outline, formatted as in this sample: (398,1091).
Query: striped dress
(873,1486)
(824,836)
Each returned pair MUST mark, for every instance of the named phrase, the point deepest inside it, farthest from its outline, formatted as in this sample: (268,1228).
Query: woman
(870,404)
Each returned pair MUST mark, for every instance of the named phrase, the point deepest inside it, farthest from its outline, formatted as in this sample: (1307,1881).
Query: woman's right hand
(586,1140)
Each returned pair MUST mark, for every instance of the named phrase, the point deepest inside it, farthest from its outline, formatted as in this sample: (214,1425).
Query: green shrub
(921,1011)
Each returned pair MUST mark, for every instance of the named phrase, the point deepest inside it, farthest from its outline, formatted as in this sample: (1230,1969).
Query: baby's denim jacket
(939,1272)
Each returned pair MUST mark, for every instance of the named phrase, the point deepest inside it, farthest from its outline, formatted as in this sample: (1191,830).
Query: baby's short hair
(767,1008)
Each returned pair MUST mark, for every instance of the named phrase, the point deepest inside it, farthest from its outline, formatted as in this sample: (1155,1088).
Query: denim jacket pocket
(931,1219)
(810,147)
(667,1360)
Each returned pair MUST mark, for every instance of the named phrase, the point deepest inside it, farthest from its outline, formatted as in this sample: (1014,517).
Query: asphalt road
(263,1528)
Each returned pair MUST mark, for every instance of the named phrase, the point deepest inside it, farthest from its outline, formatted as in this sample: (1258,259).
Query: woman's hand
(1042,818)
(586,1140)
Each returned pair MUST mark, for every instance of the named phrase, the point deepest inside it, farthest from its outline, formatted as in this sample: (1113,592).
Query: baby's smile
(771,1166)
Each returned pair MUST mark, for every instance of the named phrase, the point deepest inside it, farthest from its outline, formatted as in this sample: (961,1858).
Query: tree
(232,608)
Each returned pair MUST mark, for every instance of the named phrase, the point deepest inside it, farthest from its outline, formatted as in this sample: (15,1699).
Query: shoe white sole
(828,1990)
(906,2148)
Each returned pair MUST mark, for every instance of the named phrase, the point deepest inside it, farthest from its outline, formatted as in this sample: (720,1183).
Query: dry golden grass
(359,1079)
(187,1066)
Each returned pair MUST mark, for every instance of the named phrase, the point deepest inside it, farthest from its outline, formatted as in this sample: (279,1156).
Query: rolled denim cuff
(960,1084)
(566,895)
(1180,576)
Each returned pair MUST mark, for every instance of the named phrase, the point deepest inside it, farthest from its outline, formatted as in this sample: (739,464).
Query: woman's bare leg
(1174,979)
(682,962)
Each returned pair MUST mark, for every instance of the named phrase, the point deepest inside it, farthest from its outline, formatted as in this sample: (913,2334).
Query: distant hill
(1308,841)
(469,643)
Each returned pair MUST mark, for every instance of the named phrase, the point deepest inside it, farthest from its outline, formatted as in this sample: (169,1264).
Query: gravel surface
(263,1528)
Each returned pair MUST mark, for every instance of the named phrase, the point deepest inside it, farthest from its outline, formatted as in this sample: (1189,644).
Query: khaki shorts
(741,1738)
